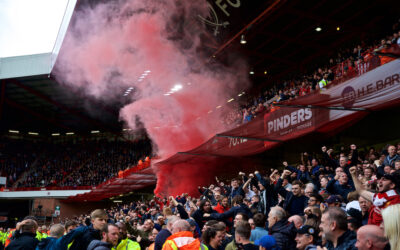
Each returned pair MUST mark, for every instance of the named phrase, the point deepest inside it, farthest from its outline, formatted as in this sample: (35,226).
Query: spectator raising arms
(295,201)
(387,195)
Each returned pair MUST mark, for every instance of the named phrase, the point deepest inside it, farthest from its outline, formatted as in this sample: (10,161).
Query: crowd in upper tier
(347,64)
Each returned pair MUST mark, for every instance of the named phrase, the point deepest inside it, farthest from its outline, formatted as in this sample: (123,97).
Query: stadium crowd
(347,64)
(16,157)
(338,200)
(67,164)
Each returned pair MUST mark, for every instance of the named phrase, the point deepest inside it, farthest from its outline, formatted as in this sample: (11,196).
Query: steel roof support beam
(71,111)
(57,104)
(79,93)
(24,108)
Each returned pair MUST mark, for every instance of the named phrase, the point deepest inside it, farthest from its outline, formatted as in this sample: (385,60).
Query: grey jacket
(99,245)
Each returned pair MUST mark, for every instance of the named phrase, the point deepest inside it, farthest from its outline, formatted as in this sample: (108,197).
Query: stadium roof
(281,36)
(31,99)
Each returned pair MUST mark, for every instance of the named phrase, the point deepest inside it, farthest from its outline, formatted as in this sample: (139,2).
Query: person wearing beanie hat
(267,242)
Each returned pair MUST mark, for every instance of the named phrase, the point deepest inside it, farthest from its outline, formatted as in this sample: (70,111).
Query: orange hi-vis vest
(183,241)
(8,240)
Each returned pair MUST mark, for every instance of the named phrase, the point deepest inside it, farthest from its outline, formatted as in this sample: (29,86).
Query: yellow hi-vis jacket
(127,244)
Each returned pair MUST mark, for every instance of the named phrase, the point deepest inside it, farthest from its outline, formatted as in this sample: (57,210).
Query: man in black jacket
(340,185)
(165,233)
(268,196)
(25,234)
(242,236)
(99,221)
(334,228)
(238,207)
(295,201)
(283,231)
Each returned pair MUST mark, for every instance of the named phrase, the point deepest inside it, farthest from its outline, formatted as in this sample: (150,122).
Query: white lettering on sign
(224,6)
(235,141)
(285,121)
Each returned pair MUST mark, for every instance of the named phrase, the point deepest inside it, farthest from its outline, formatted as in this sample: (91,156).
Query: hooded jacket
(51,243)
(268,196)
(82,241)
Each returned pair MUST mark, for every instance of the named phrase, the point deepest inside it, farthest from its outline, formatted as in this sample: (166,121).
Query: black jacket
(199,218)
(342,190)
(289,197)
(161,238)
(257,206)
(284,234)
(83,241)
(23,241)
(231,213)
(345,242)
(268,197)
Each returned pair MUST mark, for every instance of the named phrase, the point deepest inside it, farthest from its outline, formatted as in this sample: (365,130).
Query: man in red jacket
(222,205)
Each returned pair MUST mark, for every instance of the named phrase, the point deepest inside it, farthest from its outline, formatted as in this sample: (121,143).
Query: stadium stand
(340,197)
(68,164)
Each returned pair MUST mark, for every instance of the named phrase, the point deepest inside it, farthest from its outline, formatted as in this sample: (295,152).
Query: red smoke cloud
(108,48)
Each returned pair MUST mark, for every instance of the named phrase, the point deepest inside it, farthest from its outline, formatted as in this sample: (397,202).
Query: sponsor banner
(288,123)
(372,90)
(283,124)
(327,111)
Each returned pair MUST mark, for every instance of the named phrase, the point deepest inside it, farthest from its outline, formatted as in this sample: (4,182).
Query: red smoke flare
(110,46)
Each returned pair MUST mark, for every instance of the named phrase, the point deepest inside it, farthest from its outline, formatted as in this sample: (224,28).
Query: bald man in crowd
(181,237)
(371,237)
(165,233)
(297,220)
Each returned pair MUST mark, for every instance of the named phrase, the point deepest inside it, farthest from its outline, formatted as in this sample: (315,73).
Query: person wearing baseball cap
(334,201)
(306,238)
(387,194)
(267,242)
